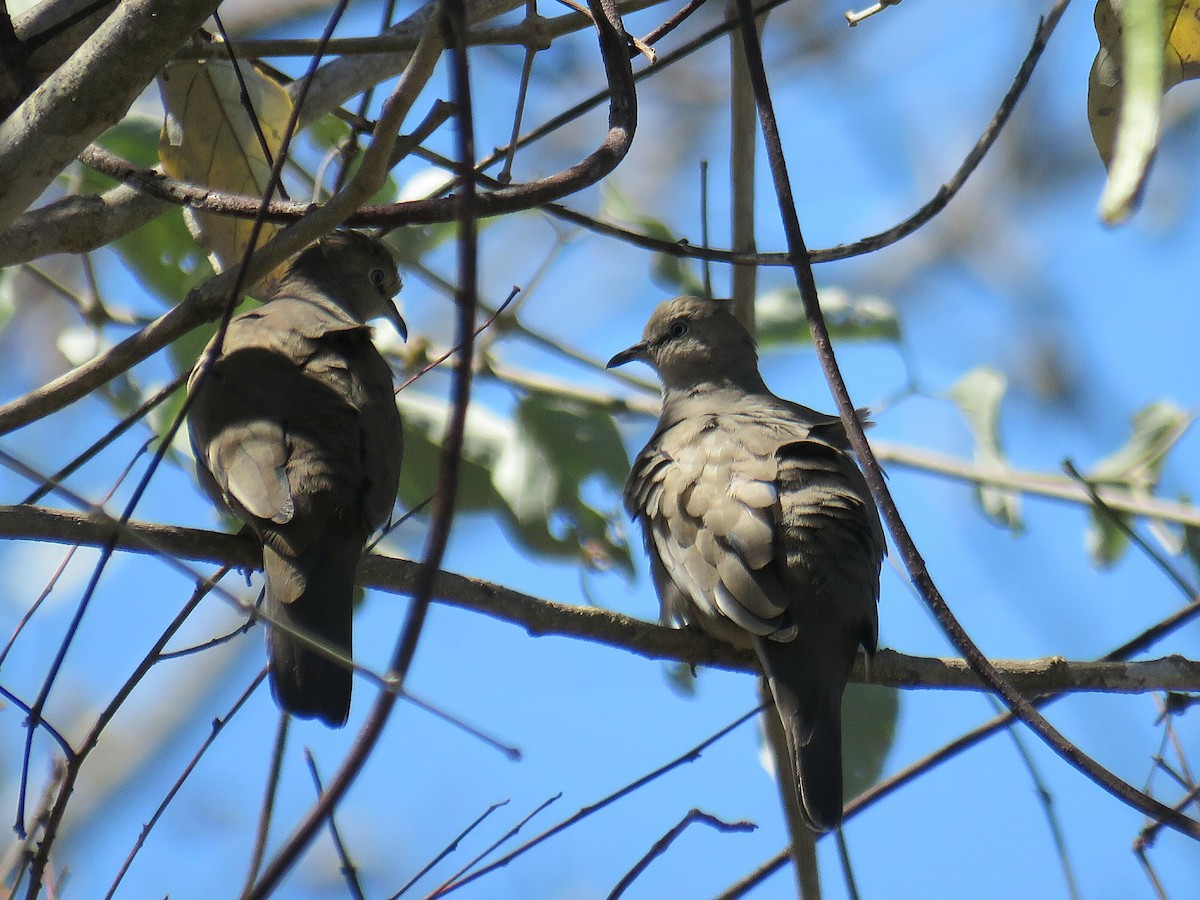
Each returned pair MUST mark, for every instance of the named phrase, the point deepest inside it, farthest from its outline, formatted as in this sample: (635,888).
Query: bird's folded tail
(806,680)
(314,594)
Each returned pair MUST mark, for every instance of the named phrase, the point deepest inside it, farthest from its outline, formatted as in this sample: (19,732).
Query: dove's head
(356,272)
(690,342)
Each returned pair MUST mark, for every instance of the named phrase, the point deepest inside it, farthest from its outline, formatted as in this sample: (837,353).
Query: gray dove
(296,432)
(760,530)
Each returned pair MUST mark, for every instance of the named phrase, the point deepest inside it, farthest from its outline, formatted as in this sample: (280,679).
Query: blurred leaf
(162,253)
(558,446)
(209,139)
(8,302)
(1138,464)
(1105,542)
(134,138)
(81,343)
(413,242)
(532,470)
(1136,467)
(672,273)
(779,317)
(1191,545)
(327,133)
(681,678)
(1146,48)
(164,257)
(978,395)
(869,716)
(424,424)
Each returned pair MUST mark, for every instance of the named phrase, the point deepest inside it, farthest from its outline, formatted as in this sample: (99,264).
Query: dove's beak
(637,351)
(392,313)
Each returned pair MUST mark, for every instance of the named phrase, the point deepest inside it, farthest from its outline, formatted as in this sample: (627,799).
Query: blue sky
(1089,324)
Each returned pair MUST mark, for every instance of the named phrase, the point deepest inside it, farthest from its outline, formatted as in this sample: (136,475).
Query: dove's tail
(314,595)
(807,678)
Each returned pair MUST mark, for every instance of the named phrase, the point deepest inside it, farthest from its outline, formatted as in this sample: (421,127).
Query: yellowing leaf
(209,139)
(1146,48)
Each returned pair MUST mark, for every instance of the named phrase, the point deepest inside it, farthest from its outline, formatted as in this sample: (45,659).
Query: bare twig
(217,727)
(686,757)
(262,831)
(447,850)
(503,839)
(349,870)
(693,817)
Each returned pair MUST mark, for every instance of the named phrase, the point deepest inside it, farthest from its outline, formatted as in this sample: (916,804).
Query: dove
(760,530)
(296,432)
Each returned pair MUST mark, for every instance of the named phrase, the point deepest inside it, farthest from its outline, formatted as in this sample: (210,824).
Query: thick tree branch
(544,617)
(91,91)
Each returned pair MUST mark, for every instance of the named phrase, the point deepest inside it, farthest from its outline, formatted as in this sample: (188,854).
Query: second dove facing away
(296,432)
(760,530)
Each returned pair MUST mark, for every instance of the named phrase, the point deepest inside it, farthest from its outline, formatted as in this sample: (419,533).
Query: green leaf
(1191,545)
(532,470)
(1105,542)
(1138,464)
(327,133)
(978,395)
(164,257)
(134,138)
(424,424)
(779,317)
(8,301)
(1136,467)
(681,678)
(413,242)
(869,716)
(672,273)
(558,446)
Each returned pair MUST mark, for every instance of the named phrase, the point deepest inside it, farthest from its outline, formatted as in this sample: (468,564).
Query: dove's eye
(678,328)
(378,277)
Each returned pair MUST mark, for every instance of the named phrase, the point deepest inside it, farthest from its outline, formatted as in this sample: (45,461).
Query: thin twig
(447,850)
(262,830)
(694,816)
(218,726)
(349,870)
(450,882)
(686,757)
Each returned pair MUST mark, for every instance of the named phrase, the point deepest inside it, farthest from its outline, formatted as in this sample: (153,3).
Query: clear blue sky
(1089,324)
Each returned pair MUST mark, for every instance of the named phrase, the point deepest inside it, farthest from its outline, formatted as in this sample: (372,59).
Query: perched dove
(296,431)
(760,529)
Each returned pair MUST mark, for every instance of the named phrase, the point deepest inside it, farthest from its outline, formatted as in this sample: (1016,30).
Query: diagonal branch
(91,91)
(914,563)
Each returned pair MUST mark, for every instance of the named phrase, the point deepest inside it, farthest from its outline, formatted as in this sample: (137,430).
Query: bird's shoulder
(294,324)
(706,436)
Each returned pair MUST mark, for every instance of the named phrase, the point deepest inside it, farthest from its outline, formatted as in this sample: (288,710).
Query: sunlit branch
(544,617)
